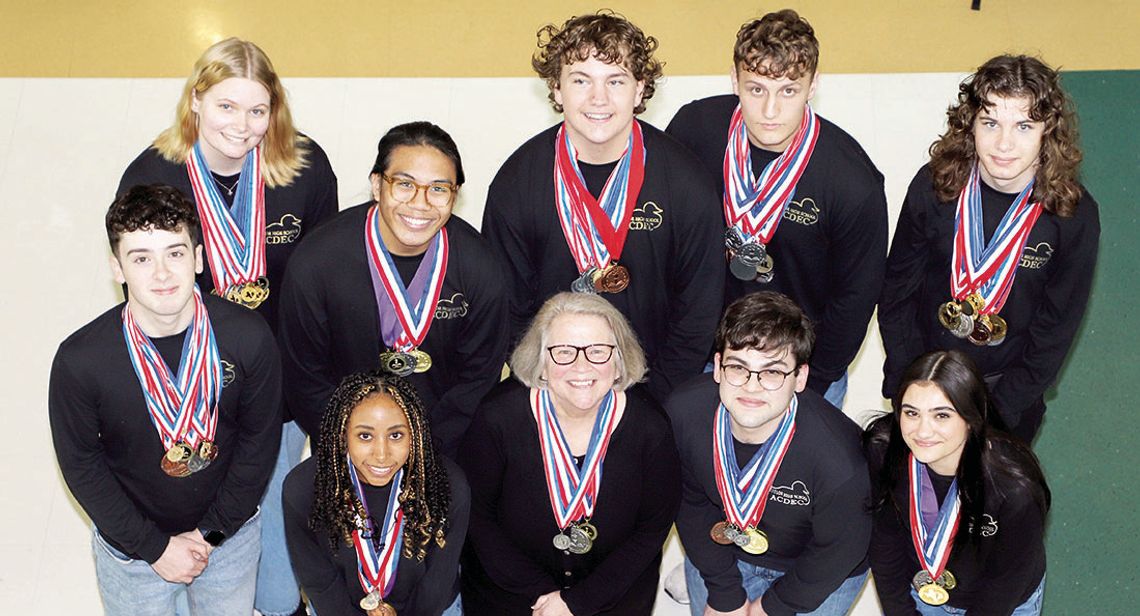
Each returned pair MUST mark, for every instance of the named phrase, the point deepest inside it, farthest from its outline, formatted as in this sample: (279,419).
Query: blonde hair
(283,151)
(530,356)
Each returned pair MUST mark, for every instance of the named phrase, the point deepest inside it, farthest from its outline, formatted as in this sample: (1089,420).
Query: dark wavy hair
(989,452)
(780,44)
(766,320)
(156,206)
(952,156)
(418,133)
(606,35)
(425,493)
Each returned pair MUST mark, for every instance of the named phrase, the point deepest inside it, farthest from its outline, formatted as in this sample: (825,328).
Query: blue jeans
(757,581)
(837,391)
(455,609)
(1031,607)
(277,592)
(225,588)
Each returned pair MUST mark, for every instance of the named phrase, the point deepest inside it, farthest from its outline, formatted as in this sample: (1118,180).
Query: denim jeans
(455,609)
(837,391)
(225,588)
(277,592)
(757,581)
(1031,607)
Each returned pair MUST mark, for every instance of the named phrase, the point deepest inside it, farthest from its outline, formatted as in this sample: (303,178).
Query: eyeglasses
(403,190)
(564,354)
(769,378)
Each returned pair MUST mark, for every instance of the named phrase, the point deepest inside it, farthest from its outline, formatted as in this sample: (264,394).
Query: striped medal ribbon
(932,545)
(376,567)
(744,492)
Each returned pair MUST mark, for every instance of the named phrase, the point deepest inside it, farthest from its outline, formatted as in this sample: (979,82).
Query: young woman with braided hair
(375,519)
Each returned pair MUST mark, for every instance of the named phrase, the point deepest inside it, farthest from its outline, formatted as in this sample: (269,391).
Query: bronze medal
(982,333)
(717,533)
(174,469)
(998,329)
(757,541)
(179,452)
(384,609)
(613,279)
(423,360)
(249,294)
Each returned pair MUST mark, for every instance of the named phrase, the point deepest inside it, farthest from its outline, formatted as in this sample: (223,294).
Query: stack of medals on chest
(932,534)
(748,261)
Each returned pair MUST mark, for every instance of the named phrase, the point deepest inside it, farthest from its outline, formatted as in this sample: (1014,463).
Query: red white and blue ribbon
(989,269)
(573,492)
(414,313)
(596,233)
(755,205)
(234,239)
(744,492)
(376,568)
(182,407)
(932,545)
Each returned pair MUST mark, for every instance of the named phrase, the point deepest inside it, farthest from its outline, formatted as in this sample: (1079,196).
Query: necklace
(229,189)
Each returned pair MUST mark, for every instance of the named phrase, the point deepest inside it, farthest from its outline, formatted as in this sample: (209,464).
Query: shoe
(675,585)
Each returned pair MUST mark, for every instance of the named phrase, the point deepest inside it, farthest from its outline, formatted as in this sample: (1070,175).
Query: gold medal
(207,450)
(249,294)
(423,360)
(933,594)
(179,452)
(949,314)
(590,530)
(972,305)
(757,541)
(947,580)
(717,533)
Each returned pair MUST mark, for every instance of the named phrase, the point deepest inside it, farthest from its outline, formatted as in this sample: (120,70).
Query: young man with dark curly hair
(803,204)
(604,203)
(996,242)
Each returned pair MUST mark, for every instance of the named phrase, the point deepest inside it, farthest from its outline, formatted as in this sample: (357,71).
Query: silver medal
(580,542)
(732,239)
(584,283)
(922,578)
(561,542)
(741,270)
(731,533)
(196,463)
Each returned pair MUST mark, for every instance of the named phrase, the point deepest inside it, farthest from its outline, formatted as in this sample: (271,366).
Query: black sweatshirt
(817,517)
(831,245)
(995,574)
(330,326)
(1044,308)
(109,450)
(330,580)
(510,560)
(674,250)
(291,212)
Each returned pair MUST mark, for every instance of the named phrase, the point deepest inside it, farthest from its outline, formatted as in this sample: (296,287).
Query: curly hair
(766,320)
(283,150)
(605,35)
(156,206)
(953,155)
(425,493)
(780,44)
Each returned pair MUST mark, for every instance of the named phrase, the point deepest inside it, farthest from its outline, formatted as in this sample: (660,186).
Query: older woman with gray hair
(574,476)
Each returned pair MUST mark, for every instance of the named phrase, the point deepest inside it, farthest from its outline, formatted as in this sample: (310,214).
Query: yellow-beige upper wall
(452,38)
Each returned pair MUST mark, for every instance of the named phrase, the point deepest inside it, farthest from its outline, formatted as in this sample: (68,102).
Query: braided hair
(425,493)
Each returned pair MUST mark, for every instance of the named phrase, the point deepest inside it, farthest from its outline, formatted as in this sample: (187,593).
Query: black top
(330,579)
(831,245)
(330,325)
(511,561)
(109,450)
(291,212)
(997,569)
(674,250)
(1044,307)
(817,517)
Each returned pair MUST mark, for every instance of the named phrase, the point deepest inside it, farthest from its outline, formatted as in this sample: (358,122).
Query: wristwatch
(213,537)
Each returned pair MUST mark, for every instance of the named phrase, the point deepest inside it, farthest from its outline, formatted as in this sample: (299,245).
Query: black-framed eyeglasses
(564,354)
(770,379)
(403,190)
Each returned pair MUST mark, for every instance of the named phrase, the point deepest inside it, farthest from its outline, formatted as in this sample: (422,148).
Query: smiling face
(932,428)
(598,99)
(755,412)
(579,387)
(1008,143)
(773,107)
(233,117)
(158,268)
(407,228)
(379,439)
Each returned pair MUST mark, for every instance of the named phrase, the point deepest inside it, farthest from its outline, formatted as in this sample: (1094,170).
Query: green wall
(1088,443)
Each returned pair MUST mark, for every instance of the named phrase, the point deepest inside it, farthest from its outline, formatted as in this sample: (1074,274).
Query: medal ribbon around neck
(933,545)
(183,408)
(234,239)
(745,492)
(989,270)
(596,233)
(573,491)
(756,205)
(377,570)
(415,314)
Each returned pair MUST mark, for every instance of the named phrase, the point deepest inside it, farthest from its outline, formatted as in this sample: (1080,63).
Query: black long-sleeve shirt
(330,324)
(330,580)
(109,450)
(1044,307)
(674,250)
(291,212)
(831,245)
(510,560)
(816,518)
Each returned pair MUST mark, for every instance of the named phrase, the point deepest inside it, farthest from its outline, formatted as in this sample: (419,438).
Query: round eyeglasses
(770,379)
(564,354)
(403,190)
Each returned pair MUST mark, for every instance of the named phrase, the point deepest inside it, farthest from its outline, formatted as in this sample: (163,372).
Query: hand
(181,561)
(550,604)
(740,611)
(756,608)
(197,537)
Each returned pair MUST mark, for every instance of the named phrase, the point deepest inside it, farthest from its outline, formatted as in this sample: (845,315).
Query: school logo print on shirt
(796,495)
(1036,256)
(803,212)
(647,217)
(229,373)
(284,231)
(454,307)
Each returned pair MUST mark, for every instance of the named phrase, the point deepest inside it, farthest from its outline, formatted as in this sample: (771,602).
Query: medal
(933,594)
(202,458)
(757,541)
(981,334)
(947,580)
(180,452)
(376,566)
(397,363)
(561,542)
(422,360)
(174,469)
(932,541)
(718,535)
(382,609)
(370,601)
(611,279)
(590,530)
(234,238)
(998,330)
(766,265)
(580,542)
(585,282)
